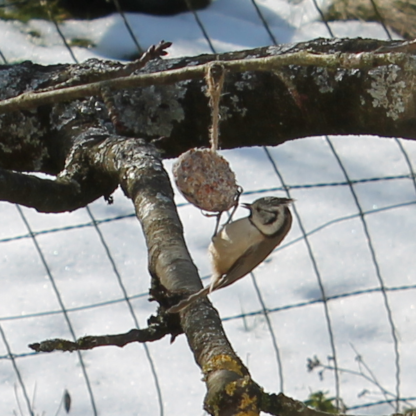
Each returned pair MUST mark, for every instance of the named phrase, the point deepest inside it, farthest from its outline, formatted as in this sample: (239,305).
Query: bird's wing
(248,261)
(254,256)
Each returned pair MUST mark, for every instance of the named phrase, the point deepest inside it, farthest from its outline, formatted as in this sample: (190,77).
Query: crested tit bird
(243,244)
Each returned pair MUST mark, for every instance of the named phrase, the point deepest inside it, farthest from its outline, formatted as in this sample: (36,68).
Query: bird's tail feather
(186,302)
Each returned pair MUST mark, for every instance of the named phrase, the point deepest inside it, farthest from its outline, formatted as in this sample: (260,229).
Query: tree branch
(281,405)
(274,94)
(145,181)
(152,333)
(45,195)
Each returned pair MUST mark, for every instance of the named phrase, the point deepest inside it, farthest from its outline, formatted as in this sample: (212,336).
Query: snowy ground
(126,381)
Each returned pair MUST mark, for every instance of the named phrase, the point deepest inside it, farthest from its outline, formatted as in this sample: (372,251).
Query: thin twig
(363,60)
(152,333)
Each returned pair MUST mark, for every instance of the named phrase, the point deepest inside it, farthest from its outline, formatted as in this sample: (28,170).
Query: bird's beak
(247,206)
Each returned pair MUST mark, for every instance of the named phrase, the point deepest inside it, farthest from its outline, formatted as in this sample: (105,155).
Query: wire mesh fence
(337,316)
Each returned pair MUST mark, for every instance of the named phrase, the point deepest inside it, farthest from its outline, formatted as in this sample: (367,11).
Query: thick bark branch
(150,190)
(347,86)
(144,180)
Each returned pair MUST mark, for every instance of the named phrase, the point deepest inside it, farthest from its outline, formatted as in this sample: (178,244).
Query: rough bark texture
(257,108)
(143,179)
